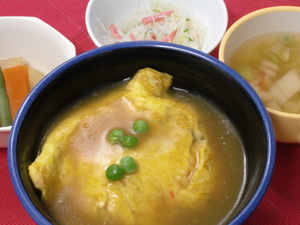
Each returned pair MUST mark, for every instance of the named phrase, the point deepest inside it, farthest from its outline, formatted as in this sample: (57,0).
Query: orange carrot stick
(156,17)
(17,86)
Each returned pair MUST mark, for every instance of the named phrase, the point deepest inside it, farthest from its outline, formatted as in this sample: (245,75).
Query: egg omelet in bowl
(175,172)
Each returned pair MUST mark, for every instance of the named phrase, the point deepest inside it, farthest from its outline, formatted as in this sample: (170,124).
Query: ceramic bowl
(192,70)
(267,20)
(42,47)
(101,14)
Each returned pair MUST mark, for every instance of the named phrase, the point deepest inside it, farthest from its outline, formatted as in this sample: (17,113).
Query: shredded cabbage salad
(159,21)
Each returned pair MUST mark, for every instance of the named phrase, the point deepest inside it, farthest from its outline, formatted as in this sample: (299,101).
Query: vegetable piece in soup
(173,175)
(271,63)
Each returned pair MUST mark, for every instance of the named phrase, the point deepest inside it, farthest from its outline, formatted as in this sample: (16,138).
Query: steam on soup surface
(271,63)
(190,160)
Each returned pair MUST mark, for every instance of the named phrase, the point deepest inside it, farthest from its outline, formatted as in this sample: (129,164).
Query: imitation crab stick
(156,17)
(5,116)
(153,36)
(17,86)
(114,31)
(132,37)
(170,36)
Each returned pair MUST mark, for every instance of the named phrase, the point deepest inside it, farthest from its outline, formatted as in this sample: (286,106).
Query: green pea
(129,141)
(128,164)
(140,126)
(116,135)
(114,172)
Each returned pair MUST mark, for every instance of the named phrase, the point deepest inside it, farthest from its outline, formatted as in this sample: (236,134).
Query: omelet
(173,158)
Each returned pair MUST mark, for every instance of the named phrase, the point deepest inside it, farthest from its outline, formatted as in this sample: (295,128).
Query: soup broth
(220,190)
(271,64)
(229,163)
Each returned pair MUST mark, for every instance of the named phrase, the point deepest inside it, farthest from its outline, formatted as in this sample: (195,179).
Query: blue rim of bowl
(268,128)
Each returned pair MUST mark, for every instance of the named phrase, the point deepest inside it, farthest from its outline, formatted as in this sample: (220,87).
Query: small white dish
(41,46)
(213,14)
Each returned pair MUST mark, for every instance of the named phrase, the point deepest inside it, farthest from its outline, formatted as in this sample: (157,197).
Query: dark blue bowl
(192,70)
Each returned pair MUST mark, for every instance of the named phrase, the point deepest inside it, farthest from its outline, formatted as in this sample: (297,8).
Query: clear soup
(271,64)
